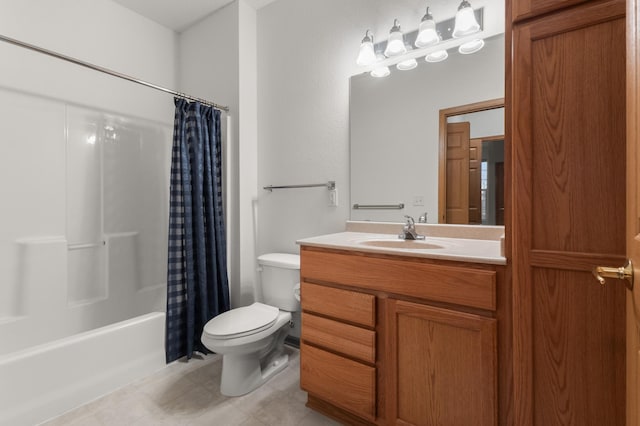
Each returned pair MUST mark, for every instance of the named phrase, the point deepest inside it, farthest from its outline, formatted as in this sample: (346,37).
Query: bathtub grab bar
(80,246)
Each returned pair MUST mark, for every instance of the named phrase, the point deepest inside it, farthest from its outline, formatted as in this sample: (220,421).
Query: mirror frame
(442,151)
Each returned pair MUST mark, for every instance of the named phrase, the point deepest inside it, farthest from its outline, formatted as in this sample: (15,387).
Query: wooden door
(457,187)
(568,215)
(475,175)
(442,366)
(633,209)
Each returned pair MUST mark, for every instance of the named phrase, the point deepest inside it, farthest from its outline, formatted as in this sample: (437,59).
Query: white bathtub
(42,382)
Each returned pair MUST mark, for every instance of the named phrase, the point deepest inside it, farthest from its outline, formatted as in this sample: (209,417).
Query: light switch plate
(333,198)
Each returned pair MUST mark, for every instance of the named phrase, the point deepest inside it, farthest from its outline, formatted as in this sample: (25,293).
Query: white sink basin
(401,244)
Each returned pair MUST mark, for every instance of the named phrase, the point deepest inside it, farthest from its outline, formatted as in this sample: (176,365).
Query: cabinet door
(443,366)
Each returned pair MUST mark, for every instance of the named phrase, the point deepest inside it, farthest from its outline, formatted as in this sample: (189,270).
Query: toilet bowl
(251,338)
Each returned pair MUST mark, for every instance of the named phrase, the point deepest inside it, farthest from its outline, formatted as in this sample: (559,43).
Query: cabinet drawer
(460,285)
(351,306)
(347,339)
(345,383)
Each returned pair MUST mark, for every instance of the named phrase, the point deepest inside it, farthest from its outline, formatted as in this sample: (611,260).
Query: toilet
(251,338)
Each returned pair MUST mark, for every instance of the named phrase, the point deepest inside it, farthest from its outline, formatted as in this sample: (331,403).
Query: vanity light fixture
(465,32)
(427,34)
(466,23)
(471,46)
(395,45)
(366,55)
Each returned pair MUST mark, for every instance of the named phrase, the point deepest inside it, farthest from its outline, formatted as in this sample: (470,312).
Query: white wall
(305,57)
(217,62)
(101,32)
(248,159)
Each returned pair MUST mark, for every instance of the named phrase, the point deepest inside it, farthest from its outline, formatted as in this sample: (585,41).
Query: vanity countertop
(437,247)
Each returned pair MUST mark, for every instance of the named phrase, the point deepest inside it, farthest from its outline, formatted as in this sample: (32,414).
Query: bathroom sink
(402,244)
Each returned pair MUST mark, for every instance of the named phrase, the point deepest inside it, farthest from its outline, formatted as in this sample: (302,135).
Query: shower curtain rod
(108,71)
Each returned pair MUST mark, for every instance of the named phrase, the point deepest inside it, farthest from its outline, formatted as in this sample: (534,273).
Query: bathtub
(44,381)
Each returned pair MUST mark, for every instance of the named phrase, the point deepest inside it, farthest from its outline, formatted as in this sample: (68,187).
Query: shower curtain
(197,283)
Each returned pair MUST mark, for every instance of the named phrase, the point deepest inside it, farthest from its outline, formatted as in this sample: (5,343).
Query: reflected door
(457,187)
(475,177)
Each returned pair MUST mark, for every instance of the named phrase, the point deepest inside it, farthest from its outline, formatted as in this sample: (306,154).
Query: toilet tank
(280,273)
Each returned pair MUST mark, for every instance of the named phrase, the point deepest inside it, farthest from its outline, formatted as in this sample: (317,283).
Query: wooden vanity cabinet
(381,344)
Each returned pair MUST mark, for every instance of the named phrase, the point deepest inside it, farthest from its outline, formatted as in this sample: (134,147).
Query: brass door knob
(622,273)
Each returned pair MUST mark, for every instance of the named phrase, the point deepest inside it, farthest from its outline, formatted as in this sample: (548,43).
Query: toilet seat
(242,321)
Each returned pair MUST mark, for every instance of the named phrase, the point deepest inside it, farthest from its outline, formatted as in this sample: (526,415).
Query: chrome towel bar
(331,185)
(398,206)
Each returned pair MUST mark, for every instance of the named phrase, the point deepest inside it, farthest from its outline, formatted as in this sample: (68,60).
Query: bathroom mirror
(394,130)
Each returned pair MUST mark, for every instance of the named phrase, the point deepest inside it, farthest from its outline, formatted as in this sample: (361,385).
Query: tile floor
(188,393)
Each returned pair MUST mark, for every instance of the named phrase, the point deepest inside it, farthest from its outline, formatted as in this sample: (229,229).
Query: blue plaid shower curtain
(197,283)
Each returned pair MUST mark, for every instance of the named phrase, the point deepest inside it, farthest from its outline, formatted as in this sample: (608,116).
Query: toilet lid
(243,321)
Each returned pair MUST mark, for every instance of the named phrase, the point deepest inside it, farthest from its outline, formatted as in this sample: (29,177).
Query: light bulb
(437,56)
(366,54)
(471,46)
(465,21)
(395,44)
(407,64)
(427,34)
(380,72)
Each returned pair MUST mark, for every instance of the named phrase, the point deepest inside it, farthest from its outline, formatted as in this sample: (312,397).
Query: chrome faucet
(409,230)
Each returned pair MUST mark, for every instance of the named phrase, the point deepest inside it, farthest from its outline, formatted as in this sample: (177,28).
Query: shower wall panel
(136,202)
(32,176)
(85,207)
(86,256)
